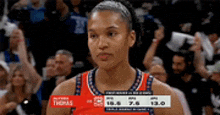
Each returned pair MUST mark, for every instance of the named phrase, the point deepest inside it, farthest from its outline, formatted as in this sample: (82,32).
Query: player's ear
(132,38)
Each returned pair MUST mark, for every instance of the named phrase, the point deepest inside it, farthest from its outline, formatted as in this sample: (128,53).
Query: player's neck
(116,76)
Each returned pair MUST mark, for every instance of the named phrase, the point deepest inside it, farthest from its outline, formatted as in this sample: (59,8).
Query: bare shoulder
(65,88)
(160,88)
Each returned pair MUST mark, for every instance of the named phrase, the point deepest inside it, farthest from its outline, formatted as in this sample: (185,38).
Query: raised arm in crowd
(159,35)
(199,58)
(24,82)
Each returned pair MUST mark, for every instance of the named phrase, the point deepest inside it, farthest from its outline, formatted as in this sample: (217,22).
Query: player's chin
(105,65)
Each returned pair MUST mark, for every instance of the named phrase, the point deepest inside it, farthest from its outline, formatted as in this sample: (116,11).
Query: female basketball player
(111,33)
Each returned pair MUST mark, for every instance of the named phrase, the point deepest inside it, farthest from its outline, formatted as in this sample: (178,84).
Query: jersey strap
(78,84)
(78,88)
(149,83)
(149,88)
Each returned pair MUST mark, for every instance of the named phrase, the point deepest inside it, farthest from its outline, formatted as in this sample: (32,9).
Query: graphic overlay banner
(65,101)
(115,101)
(160,101)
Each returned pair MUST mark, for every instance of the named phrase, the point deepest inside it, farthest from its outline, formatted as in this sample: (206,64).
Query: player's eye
(112,34)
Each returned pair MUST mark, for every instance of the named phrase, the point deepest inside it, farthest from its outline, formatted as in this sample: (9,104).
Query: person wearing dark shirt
(195,87)
(64,63)
(215,86)
(63,70)
(75,21)
(58,69)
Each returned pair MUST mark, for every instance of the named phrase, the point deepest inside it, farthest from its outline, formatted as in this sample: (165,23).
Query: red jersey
(85,86)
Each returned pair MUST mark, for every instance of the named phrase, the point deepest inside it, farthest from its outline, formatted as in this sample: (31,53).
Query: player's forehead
(105,20)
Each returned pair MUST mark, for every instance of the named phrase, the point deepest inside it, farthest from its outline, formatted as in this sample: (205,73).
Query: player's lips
(103,55)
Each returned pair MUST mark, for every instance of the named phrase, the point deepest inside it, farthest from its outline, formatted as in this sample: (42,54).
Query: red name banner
(64,101)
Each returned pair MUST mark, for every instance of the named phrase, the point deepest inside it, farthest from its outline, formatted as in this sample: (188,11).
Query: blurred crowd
(44,42)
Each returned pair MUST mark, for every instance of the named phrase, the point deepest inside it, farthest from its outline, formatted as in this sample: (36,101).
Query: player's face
(178,65)
(109,39)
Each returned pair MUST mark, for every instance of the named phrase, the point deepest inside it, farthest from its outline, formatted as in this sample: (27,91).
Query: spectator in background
(199,61)
(18,13)
(4,71)
(215,96)
(73,16)
(47,33)
(35,8)
(50,67)
(22,92)
(20,4)
(24,83)
(143,12)
(213,74)
(187,80)
(49,83)
(75,20)
(159,73)
(156,61)
(64,63)
(11,54)
(149,24)
(7,107)
(50,62)
(151,52)
(62,71)
(212,31)
(154,65)
(182,19)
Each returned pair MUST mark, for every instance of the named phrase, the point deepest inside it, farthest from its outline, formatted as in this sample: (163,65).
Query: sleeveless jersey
(85,87)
